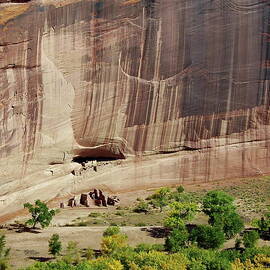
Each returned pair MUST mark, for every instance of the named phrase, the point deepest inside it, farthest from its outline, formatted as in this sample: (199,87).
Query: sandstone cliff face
(116,78)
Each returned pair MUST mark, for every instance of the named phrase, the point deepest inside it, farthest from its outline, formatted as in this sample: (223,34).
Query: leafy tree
(208,237)
(161,198)
(177,239)
(250,239)
(180,213)
(72,254)
(218,205)
(55,245)
(40,214)
(185,211)
(113,243)
(231,223)
(4,253)
(217,202)
(180,189)
(111,230)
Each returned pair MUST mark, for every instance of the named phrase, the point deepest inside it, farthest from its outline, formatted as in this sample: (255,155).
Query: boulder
(72,202)
(62,205)
(85,200)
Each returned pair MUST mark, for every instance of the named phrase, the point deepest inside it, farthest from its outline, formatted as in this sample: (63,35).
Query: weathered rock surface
(116,78)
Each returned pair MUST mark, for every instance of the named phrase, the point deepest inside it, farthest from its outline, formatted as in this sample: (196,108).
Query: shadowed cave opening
(100,155)
(83,159)
(14,1)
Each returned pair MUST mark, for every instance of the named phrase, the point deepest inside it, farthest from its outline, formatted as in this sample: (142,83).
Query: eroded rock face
(118,78)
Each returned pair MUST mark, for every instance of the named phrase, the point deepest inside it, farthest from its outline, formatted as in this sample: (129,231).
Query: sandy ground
(30,247)
(68,214)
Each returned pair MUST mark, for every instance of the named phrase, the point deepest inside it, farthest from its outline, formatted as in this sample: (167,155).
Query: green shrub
(180,189)
(263,223)
(196,265)
(55,245)
(158,247)
(89,253)
(154,260)
(112,230)
(148,247)
(59,265)
(177,239)
(250,239)
(231,223)
(201,259)
(250,253)
(184,197)
(125,255)
(141,207)
(161,198)
(180,213)
(72,254)
(207,236)
(4,253)
(217,202)
(113,243)
(218,205)
(102,263)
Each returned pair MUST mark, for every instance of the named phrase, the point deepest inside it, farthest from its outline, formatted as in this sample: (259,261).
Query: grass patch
(140,224)
(252,199)
(123,218)
(94,214)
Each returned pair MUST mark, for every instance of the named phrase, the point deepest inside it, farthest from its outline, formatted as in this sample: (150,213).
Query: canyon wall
(178,88)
